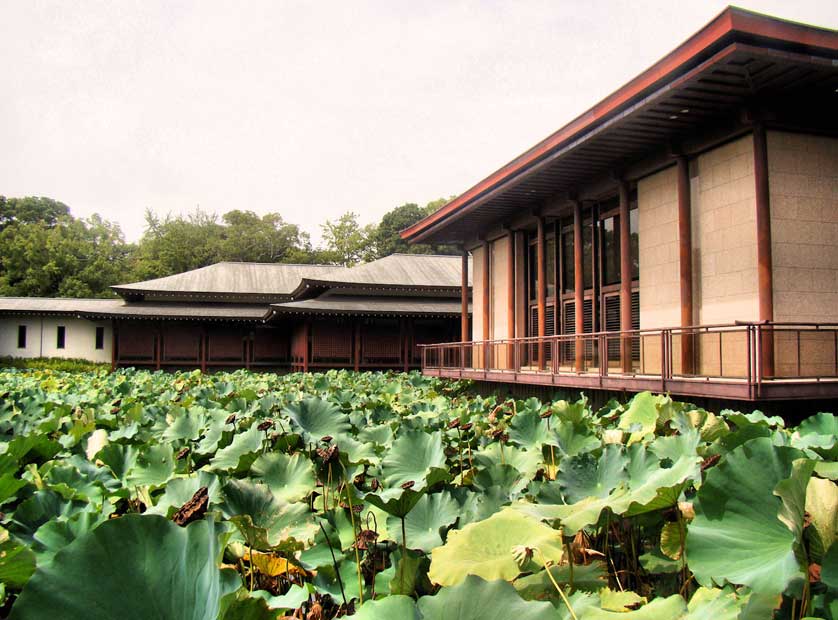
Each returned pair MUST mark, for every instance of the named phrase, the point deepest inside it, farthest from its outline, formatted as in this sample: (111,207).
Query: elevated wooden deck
(743,361)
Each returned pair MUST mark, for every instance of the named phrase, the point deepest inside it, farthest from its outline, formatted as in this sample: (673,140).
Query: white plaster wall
(80,338)
(660,292)
(724,234)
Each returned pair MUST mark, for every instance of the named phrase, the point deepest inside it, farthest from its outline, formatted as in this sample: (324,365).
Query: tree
(269,239)
(387,238)
(67,258)
(31,209)
(347,242)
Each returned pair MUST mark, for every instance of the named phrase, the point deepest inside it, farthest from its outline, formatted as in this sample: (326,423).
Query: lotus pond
(386,496)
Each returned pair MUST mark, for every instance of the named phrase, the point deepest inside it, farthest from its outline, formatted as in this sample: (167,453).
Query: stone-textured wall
(803,184)
(724,234)
(660,293)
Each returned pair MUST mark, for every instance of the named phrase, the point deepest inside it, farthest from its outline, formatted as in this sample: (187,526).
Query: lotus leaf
(424,522)
(136,567)
(318,418)
(486,548)
(413,457)
(395,607)
(289,477)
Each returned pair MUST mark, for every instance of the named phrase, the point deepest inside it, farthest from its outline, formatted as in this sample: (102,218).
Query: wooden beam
(625,276)
(541,286)
(578,284)
(464,333)
(765,285)
(685,261)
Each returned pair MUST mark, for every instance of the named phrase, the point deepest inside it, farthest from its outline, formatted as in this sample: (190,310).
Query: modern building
(681,235)
(251,315)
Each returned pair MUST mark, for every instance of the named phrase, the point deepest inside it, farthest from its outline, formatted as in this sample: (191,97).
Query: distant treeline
(45,251)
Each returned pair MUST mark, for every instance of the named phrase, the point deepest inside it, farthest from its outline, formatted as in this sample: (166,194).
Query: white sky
(311,108)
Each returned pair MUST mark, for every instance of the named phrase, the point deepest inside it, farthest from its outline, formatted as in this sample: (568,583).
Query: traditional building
(251,315)
(679,236)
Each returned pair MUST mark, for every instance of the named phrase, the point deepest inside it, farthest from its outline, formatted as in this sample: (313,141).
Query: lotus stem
(570,565)
(355,537)
(334,563)
(556,585)
(404,539)
(460,453)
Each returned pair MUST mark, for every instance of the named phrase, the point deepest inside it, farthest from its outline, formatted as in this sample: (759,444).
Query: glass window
(610,238)
(568,265)
(21,336)
(634,225)
(587,255)
(550,263)
(100,338)
(61,334)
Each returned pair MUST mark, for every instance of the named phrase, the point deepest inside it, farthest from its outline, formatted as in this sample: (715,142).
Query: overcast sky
(311,108)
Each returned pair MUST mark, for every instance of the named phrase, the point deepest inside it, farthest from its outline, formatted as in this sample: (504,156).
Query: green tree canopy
(347,242)
(387,239)
(31,209)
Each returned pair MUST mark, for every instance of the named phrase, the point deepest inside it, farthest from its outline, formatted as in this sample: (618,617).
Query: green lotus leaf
(54,535)
(397,502)
(573,440)
(622,601)
(737,511)
(262,518)
(411,573)
(394,607)
(476,599)
(715,604)
(538,586)
(525,461)
(180,490)
(154,466)
(137,567)
(820,432)
(243,445)
(486,548)
(186,425)
(413,457)
(583,476)
(289,477)
(671,608)
(641,417)
(245,606)
(119,458)
(317,418)
(431,514)
(17,561)
(822,506)
(529,430)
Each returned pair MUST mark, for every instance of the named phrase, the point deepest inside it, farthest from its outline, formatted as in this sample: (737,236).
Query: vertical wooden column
(306,334)
(486,303)
(578,285)
(510,348)
(114,344)
(204,345)
(464,335)
(520,284)
(541,290)
(685,262)
(356,345)
(765,284)
(625,277)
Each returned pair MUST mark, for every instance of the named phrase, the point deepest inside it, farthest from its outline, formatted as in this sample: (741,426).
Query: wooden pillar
(306,335)
(202,348)
(464,334)
(114,344)
(685,262)
(520,284)
(625,277)
(486,303)
(158,352)
(765,284)
(541,290)
(578,284)
(510,286)
(356,346)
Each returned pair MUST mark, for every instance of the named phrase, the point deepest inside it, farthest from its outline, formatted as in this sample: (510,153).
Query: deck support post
(541,295)
(764,259)
(578,285)
(625,278)
(685,262)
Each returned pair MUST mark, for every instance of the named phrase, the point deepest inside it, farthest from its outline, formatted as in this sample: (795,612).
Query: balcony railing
(748,361)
